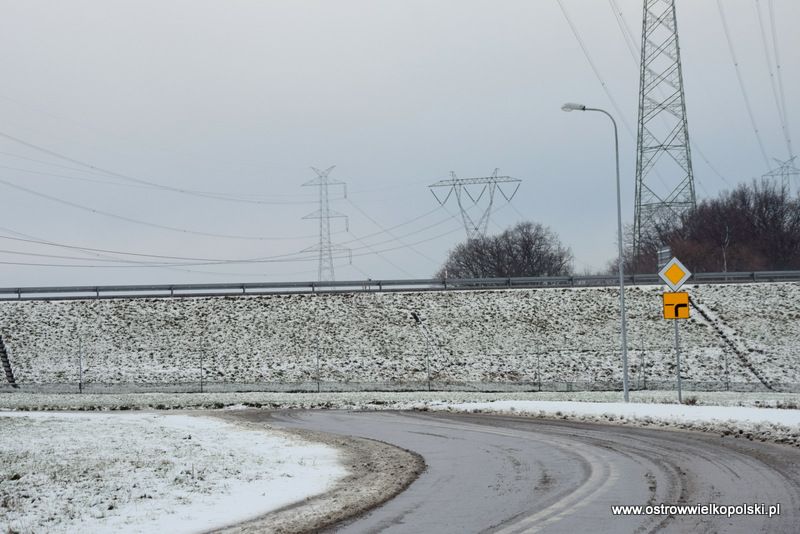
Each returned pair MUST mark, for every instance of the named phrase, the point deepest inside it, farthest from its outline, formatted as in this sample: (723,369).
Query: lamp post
(623,315)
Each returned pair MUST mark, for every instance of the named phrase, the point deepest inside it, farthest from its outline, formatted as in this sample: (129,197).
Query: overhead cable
(126,177)
(745,97)
(139,221)
(779,70)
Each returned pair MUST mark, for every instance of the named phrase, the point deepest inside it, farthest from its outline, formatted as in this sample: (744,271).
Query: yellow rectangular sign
(676,305)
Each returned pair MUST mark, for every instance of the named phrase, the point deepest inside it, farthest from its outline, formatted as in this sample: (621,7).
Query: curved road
(511,474)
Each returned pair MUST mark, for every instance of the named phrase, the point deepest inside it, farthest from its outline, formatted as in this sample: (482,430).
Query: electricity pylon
(785,171)
(325,214)
(460,187)
(664,176)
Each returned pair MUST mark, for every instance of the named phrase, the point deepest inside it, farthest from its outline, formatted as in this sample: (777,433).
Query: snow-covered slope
(500,337)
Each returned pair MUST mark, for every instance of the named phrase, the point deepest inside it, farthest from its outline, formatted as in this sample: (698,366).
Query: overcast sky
(240,98)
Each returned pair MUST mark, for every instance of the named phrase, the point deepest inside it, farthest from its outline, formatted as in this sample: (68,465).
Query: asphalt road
(507,474)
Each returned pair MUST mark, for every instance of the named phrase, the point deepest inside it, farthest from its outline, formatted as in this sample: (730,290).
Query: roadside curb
(377,472)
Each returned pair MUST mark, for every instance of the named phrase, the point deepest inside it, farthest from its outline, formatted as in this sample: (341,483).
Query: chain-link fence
(103,369)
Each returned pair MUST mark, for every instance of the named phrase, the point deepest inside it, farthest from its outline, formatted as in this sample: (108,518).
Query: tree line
(754,227)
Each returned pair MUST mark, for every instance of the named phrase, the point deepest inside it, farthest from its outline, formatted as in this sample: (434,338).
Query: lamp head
(571,106)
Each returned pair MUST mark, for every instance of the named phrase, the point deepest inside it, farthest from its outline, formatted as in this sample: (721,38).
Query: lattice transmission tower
(488,185)
(785,172)
(664,177)
(325,248)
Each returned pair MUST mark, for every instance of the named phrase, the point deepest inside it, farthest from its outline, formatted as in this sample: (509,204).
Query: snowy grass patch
(764,424)
(368,400)
(145,472)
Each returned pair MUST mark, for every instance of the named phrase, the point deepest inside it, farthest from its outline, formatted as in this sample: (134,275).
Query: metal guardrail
(366,286)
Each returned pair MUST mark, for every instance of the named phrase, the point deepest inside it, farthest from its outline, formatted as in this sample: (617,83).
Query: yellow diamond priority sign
(674,274)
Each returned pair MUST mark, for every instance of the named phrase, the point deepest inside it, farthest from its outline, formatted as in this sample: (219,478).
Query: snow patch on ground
(669,412)
(145,472)
(770,416)
(368,400)
(764,424)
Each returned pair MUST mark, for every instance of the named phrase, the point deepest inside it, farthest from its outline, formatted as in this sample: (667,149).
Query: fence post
(428,363)
(80,364)
(644,370)
(727,373)
(318,386)
(539,370)
(201,369)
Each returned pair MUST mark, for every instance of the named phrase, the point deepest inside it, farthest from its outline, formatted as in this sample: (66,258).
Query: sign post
(676,305)
(678,361)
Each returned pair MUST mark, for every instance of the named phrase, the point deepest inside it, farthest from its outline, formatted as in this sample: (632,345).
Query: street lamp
(623,319)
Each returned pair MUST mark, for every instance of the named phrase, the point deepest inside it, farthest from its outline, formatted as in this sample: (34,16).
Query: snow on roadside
(670,412)
(764,424)
(145,472)
(366,400)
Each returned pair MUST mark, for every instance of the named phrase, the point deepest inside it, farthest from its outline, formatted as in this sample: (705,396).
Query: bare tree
(527,249)
(754,227)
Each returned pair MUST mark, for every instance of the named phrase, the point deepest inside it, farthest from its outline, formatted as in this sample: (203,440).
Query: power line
(779,70)
(746,98)
(356,268)
(627,36)
(305,197)
(593,65)
(404,185)
(97,253)
(596,71)
(376,223)
(100,251)
(99,258)
(155,185)
(51,164)
(513,207)
(415,232)
(381,256)
(141,222)
(255,261)
(286,258)
(34,240)
(247,198)
(76,178)
(772,81)
(106,133)
(282,258)
(450,232)
(398,239)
